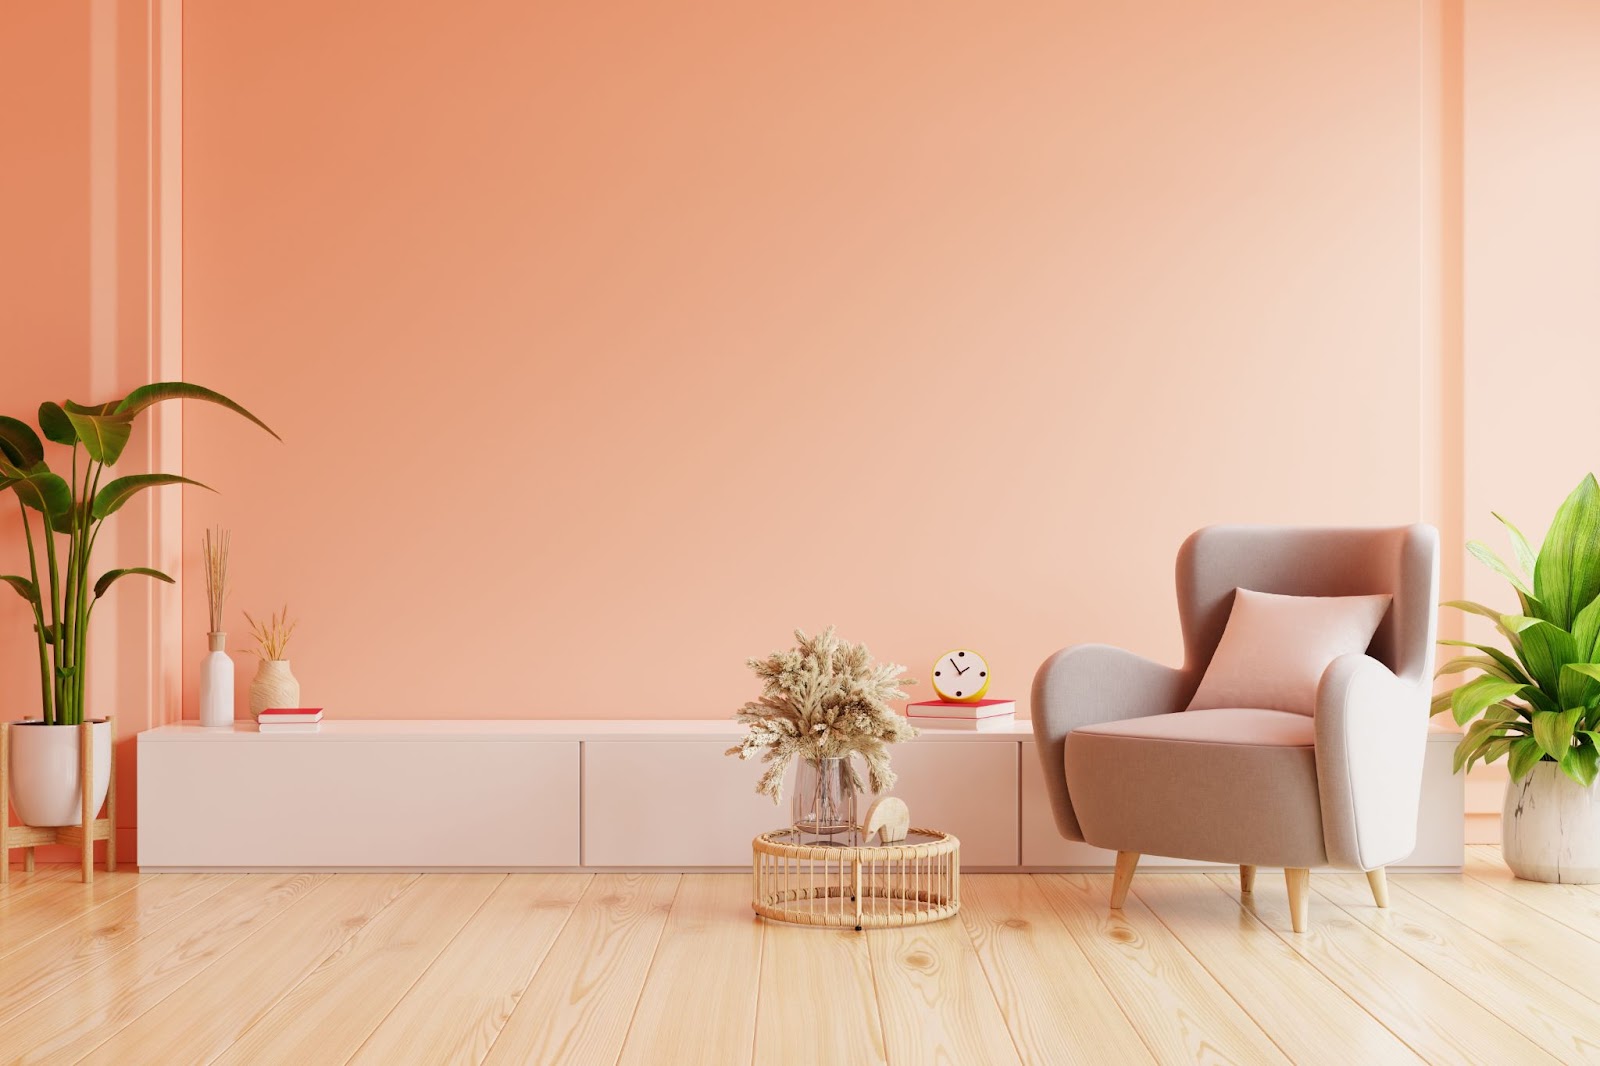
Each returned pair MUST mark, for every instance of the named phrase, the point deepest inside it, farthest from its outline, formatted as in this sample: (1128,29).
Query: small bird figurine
(889,818)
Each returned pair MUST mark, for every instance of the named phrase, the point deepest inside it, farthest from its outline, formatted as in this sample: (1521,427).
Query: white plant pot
(1550,828)
(45,787)
(274,686)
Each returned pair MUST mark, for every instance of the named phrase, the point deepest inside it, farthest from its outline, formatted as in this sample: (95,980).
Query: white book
(289,727)
(994,723)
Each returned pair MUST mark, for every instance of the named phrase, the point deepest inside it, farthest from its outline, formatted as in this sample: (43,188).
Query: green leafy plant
(824,698)
(1540,701)
(62,518)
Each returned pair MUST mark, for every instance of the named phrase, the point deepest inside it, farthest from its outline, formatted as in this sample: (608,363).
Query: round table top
(790,837)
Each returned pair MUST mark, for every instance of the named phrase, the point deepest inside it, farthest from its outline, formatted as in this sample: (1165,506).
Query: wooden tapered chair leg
(1247,879)
(1120,882)
(27,860)
(1299,882)
(1380,886)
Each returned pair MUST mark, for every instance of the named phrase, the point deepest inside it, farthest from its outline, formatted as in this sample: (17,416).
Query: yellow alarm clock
(961,676)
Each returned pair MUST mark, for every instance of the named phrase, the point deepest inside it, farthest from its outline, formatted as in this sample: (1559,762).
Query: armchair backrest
(1307,561)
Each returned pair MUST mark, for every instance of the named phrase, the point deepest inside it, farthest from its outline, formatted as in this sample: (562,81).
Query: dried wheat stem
(214,548)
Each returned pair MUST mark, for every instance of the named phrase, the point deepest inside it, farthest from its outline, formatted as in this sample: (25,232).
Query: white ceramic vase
(274,686)
(216,684)
(46,788)
(1550,828)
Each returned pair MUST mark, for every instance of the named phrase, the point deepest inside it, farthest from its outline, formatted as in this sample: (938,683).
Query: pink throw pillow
(1275,648)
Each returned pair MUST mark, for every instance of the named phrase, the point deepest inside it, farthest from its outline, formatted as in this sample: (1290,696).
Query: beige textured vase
(273,686)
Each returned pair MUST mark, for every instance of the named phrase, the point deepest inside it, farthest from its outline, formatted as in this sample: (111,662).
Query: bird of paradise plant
(1541,701)
(69,513)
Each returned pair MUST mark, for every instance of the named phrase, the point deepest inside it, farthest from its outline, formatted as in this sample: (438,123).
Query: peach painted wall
(1532,295)
(85,266)
(610,342)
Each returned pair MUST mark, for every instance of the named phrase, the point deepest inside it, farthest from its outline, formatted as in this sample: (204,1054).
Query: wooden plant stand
(30,836)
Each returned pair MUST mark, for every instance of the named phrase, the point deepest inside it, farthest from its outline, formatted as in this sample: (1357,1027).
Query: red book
(286,715)
(969,709)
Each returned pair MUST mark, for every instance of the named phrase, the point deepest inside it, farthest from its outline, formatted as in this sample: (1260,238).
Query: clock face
(962,675)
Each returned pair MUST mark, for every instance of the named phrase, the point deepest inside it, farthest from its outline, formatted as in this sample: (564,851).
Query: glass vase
(824,797)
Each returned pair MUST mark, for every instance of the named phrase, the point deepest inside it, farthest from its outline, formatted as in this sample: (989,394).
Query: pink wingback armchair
(1128,769)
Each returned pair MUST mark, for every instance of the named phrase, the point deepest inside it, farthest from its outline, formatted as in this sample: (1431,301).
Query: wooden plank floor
(600,969)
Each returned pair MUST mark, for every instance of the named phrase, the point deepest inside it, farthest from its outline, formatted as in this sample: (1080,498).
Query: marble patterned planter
(1551,828)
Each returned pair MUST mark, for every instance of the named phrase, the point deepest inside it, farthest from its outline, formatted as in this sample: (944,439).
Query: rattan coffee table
(802,880)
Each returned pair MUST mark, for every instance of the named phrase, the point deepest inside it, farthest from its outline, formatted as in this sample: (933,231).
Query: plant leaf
(1586,630)
(1491,750)
(25,588)
(1463,663)
(104,435)
(1525,752)
(45,492)
(148,395)
(1485,555)
(1567,576)
(55,425)
(1581,760)
(1526,557)
(1553,731)
(1487,612)
(1578,682)
(1473,698)
(110,499)
(111,577)
(1511,666)
(19,443)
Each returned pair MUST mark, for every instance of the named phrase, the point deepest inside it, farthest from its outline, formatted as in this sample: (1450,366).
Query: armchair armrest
(1090,683)
(1371,740)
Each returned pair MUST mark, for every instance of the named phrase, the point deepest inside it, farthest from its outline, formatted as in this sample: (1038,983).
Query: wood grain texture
(25,916)
(1530,935)
(1304,1013)
(403,969)
(817,999)
(1054,1003)
(1578,910)
(934,999)
(1183,1014)
(350,992)
(22,882)
(699,1001)
(82,1014)
(76,947)
(455,1012)
(1421,1008)
(203,1017)
(578,1006)
(1551,1014)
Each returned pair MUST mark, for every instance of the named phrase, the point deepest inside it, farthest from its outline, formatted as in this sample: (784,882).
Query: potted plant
(823,701)
(1538,704)
(61,520)
(274,684)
